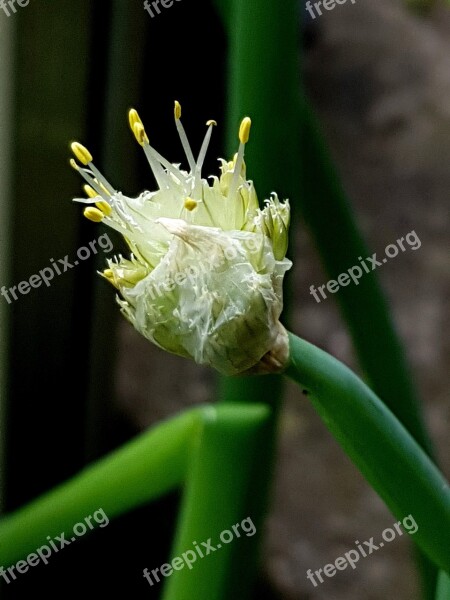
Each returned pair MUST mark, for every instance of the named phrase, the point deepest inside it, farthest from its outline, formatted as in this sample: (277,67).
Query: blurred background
(76,381)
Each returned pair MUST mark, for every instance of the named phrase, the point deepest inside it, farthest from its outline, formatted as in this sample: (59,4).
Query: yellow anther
(109,276)
(108,273)
(244,130)
(73,164)
(190,204)
(211,122)
(133,118)
(177,110)
(82,153)
(101,185)
(139,134)
(89,191)
(104,207)
(93,214)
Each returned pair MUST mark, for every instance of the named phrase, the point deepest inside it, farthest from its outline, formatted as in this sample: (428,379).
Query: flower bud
(205,277)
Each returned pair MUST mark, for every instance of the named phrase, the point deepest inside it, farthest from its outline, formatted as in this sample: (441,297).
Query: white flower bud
(207,266)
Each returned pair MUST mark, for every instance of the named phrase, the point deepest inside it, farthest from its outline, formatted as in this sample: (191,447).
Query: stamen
(82,153)
(244,134)
(133,118)
(90,192)
(141,136)
(102,187)
(85,158)
(93,214)
(244,130)
(204,148)
(104,207)
(201,157)
(183,136)
(190,204)
(168,165)
(160,175)
(102,180)
(125,224)
(109,276)
(87,176)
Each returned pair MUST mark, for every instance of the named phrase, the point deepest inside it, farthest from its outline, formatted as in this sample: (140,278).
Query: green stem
(385,453)
(146,468)
(326,210)
(223,489)
(264,84)
(269,96)
(443,586)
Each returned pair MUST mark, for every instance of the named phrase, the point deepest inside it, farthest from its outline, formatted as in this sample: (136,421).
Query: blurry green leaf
(142,470)
(223,488)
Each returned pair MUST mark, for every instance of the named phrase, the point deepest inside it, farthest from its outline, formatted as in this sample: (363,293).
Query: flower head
(204,279)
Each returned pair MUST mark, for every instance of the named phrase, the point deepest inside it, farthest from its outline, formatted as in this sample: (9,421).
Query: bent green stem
(144,469)
(382,449)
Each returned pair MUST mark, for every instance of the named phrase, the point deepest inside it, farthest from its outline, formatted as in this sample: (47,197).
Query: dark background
(81,381)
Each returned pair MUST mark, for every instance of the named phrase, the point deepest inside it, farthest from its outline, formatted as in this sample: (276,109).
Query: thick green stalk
(443,586)
(222,490)
(145,468)
(385,453)
(323,204)
(269,96)
(264,83)
(326,210)
(328,215)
